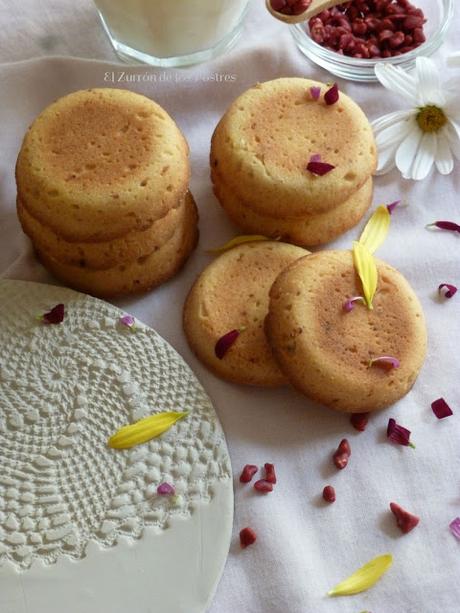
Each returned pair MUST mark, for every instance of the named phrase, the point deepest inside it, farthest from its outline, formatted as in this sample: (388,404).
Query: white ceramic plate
(82,528)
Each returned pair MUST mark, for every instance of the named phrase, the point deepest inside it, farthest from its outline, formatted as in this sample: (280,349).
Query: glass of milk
(172,32)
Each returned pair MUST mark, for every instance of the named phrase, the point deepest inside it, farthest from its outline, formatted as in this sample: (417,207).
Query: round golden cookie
(305,231)
(262,145)
(100,163)
(325,352)
(232,293)
(105,254)
(140,275)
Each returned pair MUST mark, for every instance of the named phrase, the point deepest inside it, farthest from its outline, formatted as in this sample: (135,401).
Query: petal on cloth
(444,158)
(397,81)
(454,140)
(405,155)
(388,120)
(428,83)
(425,157)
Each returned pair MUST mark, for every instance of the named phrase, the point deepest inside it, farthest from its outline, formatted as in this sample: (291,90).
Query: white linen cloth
(304,547)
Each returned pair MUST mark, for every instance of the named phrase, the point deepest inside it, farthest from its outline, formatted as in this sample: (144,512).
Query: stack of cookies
(261,151)
(280,311)
(102,180)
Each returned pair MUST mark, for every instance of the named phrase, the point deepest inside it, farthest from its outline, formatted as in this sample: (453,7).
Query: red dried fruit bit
(378,29)
(450,292)
(340,460)
(247,537)
(344,447)
(225,342)
(263,486)
(359,421)
(247,473)
(290,7)
(270,474)
(319,168)
(405,520)
(342,454)
(332,95)
(329,494)
(55,316)
(441,409)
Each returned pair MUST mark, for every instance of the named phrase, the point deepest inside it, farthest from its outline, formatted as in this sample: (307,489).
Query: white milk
(168,28)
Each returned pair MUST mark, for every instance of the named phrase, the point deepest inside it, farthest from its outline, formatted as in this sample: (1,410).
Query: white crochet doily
(64,390)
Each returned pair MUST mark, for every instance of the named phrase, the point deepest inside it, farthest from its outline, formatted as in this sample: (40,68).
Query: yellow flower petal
(364,578)
(144,430)
(367,270)
(376,229)
(240,240)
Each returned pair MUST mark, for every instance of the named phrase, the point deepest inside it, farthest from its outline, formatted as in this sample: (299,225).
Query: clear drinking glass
(172,32)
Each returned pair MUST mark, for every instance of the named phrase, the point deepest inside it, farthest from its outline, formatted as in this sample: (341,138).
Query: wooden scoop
(315,7)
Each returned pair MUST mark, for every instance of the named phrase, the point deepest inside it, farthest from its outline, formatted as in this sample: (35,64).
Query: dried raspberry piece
(329,494)
(359,421)
(290,7)
(263,486)
(247,473)
(342,454)
(270,474)
(405,520)
(247,537)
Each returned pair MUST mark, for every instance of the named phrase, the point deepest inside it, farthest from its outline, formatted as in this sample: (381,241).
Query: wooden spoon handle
(315,7)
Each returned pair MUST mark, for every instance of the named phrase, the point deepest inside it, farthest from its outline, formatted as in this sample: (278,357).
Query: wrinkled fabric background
(303,547)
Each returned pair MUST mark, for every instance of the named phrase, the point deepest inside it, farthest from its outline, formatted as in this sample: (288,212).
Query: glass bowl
(439,15)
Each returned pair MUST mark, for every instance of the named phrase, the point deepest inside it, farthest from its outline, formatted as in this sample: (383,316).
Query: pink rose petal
(445,225)
(441,409)
(319,168)
(127,320)
(166,489)
(391,207)
(450,290)
(349,304)
(315,92)
(225,342)
(332,95)
(455,527)
(386,362)
(55,316)
(398,434)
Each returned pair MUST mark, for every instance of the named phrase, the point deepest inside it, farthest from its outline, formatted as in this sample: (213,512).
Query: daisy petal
(388,120)
(407,150)
(386,159)
(451,107)
(454,140)
(427,83)
(397,80)
(395,133)
(426,155)
(444,159)
(456,126)
(388,142)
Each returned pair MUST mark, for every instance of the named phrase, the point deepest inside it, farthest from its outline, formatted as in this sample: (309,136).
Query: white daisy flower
(428,133)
